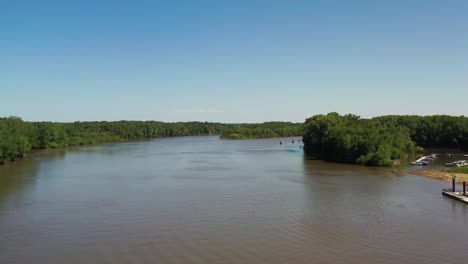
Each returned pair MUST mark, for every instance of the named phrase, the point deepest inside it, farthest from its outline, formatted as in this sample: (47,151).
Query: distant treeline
(264,130)
(349,138)
(17,137)
(432,131)
(379,141)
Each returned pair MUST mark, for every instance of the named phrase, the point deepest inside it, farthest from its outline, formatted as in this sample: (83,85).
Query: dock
(452,193)
(456,195)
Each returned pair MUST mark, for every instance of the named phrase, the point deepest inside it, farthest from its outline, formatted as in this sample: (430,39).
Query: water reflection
(19,177)
(15,180)
(372,212)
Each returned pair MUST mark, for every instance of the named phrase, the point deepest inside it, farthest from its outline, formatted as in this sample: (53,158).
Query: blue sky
(231,61)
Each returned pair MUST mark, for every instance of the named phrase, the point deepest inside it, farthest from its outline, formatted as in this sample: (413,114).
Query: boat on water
(424,161)
(458,163)
(420,163)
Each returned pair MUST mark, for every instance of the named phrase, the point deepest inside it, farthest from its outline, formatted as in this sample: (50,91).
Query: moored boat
(458,163)
(420,163)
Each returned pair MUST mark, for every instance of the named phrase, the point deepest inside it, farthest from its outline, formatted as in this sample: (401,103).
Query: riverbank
(34,152)
(442,175)
(241,137)
(18,137)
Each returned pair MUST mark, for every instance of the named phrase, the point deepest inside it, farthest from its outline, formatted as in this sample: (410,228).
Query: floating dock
(456,195)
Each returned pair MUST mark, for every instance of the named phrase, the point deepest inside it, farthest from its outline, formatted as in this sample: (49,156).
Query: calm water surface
(204,200)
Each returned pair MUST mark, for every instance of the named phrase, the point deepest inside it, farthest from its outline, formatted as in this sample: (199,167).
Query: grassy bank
(443,175)
(463,170)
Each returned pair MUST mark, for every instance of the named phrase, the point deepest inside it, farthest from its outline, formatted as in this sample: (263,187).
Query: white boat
(423,161)
(458,163)
(420,163)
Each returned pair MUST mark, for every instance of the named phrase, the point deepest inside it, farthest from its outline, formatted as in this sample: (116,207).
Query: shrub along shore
(381,140)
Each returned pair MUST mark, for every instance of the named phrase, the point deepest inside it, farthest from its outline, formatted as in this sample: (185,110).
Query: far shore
(440,175)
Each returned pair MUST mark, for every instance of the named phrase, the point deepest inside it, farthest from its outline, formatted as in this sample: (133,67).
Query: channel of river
(205,200)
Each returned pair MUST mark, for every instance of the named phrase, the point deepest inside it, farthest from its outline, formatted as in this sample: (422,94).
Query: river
(205,200)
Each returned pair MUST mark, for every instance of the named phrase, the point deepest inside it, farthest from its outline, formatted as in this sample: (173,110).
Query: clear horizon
(231,62)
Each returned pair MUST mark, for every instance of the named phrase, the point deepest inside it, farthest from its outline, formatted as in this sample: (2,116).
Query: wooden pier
(456,195)
(452,193)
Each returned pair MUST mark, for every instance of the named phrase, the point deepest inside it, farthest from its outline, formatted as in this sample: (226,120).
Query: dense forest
(380,140)
(432,131)
(18,137)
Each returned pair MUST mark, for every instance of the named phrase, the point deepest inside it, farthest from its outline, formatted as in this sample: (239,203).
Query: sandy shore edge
(440,175)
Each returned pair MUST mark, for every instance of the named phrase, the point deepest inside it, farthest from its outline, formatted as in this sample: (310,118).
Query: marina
(429,159)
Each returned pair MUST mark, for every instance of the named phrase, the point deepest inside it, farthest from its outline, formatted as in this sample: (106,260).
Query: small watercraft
(420,163)
(458,163)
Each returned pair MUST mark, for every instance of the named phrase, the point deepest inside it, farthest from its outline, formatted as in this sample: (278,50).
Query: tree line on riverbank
(341,138)
(264,130)
(18,137)
(380,140)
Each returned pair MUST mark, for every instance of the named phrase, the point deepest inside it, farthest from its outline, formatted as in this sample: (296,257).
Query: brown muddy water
(205,200)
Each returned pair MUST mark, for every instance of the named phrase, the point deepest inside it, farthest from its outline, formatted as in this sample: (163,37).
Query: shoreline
(40,151)
(248,138)
(441,175)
